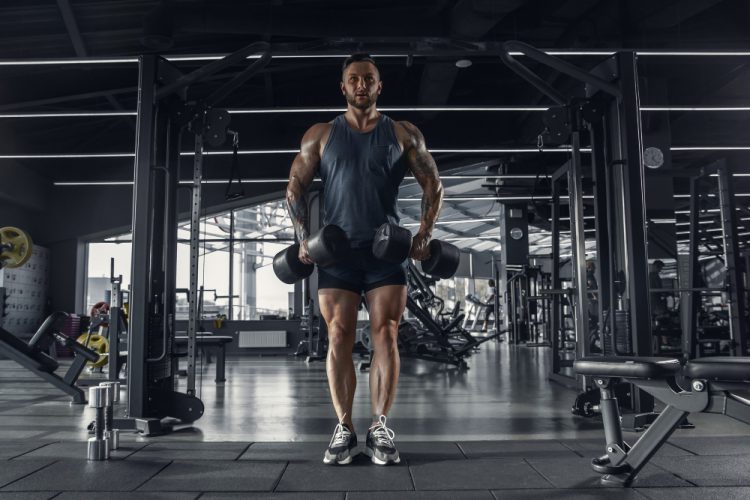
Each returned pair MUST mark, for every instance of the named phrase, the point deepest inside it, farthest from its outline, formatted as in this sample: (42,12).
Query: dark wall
(14,215)
(23,197)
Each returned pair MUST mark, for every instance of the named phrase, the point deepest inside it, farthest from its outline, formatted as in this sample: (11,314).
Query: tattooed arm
(301,175)
(425,170)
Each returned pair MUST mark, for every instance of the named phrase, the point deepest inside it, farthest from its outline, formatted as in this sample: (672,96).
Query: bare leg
(386,306)
(339,310)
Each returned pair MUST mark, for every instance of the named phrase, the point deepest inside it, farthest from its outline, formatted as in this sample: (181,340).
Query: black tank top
(361,173)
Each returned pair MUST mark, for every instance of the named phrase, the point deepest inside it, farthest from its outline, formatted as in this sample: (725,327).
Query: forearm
(432,202)
(296,202)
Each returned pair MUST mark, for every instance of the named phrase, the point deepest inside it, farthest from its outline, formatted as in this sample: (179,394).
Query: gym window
(236,253)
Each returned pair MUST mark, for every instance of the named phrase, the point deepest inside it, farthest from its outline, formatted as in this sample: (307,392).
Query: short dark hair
(359,57)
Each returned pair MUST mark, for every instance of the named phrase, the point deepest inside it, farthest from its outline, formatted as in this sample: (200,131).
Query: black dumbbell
(326,247)
(392,243)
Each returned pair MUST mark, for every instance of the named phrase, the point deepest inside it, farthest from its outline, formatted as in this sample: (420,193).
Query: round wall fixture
(653,157)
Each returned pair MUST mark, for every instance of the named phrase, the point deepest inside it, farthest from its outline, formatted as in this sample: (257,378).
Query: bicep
(302,172)
(307,161)
(420,161)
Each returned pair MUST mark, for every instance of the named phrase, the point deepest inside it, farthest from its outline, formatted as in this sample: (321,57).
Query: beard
(369,101)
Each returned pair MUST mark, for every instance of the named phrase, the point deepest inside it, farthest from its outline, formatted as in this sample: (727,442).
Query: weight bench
(216,342)
(716,385)
(34,357)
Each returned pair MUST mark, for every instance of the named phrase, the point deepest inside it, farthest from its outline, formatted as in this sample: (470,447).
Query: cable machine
(163,115)
(608,118)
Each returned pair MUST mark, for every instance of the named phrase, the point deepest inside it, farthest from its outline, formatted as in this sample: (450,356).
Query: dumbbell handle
(99,423)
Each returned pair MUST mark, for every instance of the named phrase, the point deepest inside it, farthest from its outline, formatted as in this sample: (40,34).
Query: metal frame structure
(610,112)
(163,115)
(719,173)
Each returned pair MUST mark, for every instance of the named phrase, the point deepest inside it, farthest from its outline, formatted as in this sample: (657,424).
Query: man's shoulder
(317,132)
(407,131)
(320,128)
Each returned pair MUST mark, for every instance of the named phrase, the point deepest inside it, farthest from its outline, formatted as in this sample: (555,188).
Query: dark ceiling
(418,43)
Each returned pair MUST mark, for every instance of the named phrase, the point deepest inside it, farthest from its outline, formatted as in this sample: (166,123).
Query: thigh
(339,309)
(386,305)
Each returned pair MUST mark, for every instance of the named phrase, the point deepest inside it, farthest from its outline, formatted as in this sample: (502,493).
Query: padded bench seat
(627,367)
(719,368)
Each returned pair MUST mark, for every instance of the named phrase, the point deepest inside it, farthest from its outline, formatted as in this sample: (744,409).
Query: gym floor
(499,430)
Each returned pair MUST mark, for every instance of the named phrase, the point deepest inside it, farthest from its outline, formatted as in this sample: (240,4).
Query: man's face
(361,84)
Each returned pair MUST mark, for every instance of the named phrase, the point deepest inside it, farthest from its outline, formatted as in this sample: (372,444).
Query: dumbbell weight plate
(98,344)
(443,260)
(328,246)
(392,243)
(15,247)
(289,268)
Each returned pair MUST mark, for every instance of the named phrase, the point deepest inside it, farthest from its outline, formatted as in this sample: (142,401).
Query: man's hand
(304,254)
(420,249)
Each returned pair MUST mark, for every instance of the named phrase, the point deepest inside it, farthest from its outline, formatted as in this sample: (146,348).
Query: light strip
(710,148)
(467,238)
(94,183)
(695,108)
(664,221)
(245,111)
(452,222)
(484,198)
(216,57)
(504,176)
(73,155)
(284,180)
(295,151)
(65,114)
(65,61)
(699,222)
(268,111)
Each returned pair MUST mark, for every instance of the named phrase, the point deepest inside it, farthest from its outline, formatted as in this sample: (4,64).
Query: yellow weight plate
(98,344)
(16,247)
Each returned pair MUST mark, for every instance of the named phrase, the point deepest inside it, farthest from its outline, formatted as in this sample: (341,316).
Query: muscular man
(362,157)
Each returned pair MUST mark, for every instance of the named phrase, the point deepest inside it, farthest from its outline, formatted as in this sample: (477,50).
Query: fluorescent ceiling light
(94,183)
(664,221)
(585,217)
(699,222)
(482,198)
(269,111)
(295,151)
(451,222)
(67,114)
(73,155)
(710,148)
(467,238)
(216,57)
(695,108)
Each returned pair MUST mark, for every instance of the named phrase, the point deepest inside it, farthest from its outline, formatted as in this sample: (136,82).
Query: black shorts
(361,272)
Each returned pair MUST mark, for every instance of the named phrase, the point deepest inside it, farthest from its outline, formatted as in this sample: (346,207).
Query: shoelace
(341,435)
(381,433)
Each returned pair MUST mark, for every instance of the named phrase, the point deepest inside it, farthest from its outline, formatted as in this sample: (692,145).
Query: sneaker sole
(332,461)
(378,461)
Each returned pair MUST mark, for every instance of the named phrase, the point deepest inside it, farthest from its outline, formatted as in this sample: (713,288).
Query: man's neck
(362,119)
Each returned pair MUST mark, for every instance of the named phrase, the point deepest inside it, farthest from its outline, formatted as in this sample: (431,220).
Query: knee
(339,338)
(385,335)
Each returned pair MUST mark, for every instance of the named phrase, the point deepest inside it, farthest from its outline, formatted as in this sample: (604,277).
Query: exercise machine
(713,385)
(165,112)
(35,358)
